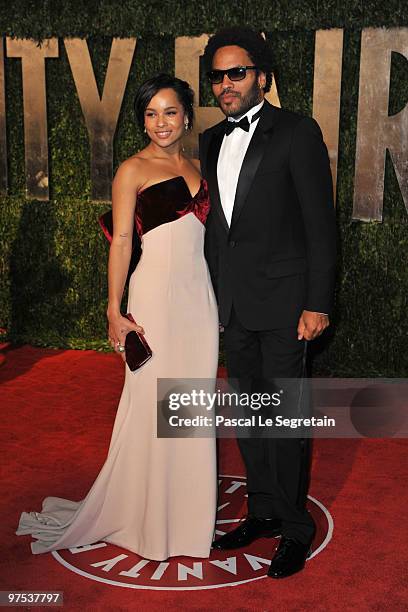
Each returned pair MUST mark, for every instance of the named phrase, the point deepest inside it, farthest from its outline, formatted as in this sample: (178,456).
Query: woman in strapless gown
(153,496)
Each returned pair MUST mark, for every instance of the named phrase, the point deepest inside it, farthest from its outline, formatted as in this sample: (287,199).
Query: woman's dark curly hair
(152,86)
(254,44)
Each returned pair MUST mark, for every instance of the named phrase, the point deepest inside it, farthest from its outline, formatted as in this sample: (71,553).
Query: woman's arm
(124,192)
(123,209)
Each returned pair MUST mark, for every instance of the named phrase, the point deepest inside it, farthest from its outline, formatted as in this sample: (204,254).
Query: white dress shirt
(231,156)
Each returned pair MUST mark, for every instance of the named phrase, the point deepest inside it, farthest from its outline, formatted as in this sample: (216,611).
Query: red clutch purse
(136,347)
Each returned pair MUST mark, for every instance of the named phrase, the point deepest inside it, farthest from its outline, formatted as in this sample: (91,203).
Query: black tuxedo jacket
(278,256)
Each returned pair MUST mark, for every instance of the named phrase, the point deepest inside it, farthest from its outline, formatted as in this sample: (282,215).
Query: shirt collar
(250,113)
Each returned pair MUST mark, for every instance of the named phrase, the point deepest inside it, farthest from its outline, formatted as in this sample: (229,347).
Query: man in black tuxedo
(270,246)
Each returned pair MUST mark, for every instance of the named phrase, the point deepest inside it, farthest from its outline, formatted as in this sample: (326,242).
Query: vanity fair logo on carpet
(113,565)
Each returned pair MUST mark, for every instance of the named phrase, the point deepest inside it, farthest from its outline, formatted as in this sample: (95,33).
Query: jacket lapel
(213,154)
(253,158)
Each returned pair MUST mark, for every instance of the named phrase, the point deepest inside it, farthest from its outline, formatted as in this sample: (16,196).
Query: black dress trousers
(277,467)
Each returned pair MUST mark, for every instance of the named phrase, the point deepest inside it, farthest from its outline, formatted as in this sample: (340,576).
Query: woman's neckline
(173,178)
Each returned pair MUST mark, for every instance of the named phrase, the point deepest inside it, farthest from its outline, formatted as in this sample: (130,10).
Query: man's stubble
(251,99)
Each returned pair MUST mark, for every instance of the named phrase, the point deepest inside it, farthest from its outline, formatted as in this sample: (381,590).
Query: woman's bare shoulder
(132,172)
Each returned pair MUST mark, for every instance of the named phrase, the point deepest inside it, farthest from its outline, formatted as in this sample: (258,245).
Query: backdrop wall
(53,259)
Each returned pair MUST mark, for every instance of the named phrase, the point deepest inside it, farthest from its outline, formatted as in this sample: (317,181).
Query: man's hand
(311,325)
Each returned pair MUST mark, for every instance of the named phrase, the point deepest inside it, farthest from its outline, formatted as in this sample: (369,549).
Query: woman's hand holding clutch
(119,327)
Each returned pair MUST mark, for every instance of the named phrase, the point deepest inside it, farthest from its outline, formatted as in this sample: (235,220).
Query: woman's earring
(186,125)
(145,131)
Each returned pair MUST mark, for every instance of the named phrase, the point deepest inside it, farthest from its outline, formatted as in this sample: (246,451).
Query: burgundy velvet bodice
(160,203)
(168,201)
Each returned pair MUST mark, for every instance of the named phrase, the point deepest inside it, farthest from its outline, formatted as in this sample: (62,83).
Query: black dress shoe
(250,530)
(289,558)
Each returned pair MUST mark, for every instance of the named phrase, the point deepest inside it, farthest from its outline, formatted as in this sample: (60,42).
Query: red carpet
(58,409)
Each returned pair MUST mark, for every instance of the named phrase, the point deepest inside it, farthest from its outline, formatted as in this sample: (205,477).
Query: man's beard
(252,98)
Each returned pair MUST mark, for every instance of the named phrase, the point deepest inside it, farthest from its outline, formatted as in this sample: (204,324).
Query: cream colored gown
(153,496)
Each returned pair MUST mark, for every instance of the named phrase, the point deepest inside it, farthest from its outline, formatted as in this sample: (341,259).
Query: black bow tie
(243,123)
(231,125)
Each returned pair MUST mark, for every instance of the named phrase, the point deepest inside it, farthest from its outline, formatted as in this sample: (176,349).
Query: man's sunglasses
(237,73)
